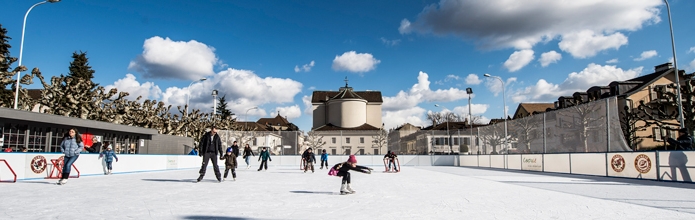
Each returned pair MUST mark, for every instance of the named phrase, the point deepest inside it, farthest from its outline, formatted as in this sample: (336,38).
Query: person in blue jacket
(71,147)
(265,156)
(324,158)
(194,151)
(108,156)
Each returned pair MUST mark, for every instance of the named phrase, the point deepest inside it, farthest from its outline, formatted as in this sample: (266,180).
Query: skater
(247,155)
(108,156)
(310,160)
(235,149)
(343,171)
(71,146)
(194,151)
(210,145)
(324,159)
(392,160)
(96,146)
(684,141)
(229,164)
(266,157)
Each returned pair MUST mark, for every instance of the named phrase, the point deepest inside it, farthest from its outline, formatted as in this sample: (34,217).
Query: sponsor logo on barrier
(531,163)
(642,163)
(38,164)
(618,163)
(529,160)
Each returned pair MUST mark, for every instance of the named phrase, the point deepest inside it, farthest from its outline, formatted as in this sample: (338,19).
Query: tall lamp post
(675,65)
(504,102)
(469,91)
(448,137)
(188,97)
(21,48)
(214,102)
(246,115)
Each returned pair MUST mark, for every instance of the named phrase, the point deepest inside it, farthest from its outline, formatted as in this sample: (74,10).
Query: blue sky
(273,54)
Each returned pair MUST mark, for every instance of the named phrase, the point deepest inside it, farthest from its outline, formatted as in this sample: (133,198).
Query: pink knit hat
(352,159)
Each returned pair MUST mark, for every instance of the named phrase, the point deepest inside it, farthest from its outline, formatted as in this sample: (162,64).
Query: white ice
(288,193)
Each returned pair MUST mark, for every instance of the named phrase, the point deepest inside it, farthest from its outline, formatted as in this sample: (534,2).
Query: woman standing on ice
(343,171)
(71,146)
(247,155)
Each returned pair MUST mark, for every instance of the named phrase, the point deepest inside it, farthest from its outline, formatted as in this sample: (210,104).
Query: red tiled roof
(278,120)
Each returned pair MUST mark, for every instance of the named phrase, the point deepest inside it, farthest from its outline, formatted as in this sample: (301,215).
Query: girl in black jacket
(247,155)
(343,169)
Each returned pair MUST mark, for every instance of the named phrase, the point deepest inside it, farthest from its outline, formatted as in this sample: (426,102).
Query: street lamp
(675,65)
(21,49)
(188,94)
(469,91)
(504,102)
(246,115)
(448,138)
(214,102)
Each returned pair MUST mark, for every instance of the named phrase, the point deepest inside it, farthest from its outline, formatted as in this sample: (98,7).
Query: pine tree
(79,67)
(222,109)
(6,74)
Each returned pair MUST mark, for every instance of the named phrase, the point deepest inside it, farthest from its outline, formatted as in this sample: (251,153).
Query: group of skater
(72,145)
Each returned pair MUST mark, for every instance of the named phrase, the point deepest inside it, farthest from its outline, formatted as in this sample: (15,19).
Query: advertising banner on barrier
(675,166)
(532,162)
(641,165)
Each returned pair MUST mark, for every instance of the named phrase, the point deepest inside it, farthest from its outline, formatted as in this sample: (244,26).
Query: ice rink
(288,193)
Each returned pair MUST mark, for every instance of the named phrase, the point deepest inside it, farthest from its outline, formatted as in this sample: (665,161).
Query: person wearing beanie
(229,164)
(684,141)
(108,156)
(343,171)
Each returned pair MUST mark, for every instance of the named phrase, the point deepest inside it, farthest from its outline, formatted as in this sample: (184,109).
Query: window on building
(466,141)
(361,140)
(656,132)
(333,140)
(361,152)
(332,151)
(376,151)
(255,142)
(347,151)
(347,140)
(456,141)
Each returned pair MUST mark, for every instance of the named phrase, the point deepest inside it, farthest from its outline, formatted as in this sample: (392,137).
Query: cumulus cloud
(583,27)
(472,79)
(163,58)
(305,67)
(518,60)
(612,61)
(290,112)
(586,43)
(388,42)
(495,85)
(691,66)
(477,109)
(307,105)
(691,50)
(646,55)
(549,57)
(413,115)
(129,83)
(355,62)
(592,75)
(243,89)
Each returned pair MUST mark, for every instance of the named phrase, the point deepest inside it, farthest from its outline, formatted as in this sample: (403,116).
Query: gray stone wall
(168,144)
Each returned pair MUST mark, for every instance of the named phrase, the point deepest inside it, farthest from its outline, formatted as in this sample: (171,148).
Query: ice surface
(288,193)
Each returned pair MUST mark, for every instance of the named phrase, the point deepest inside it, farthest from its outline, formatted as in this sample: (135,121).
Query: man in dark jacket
(96,146)
(684,141)
(210,145)
(235,149)
(310,160)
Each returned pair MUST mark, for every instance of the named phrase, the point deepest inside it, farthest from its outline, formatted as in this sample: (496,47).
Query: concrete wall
(31,165)
(168,144)
(667,166)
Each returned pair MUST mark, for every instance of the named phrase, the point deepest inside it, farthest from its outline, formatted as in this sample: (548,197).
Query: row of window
(347,140)
(47,139)
(345,152)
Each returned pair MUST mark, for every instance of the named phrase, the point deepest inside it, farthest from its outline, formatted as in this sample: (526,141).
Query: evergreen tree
(79,67)
(6,74)
(222,108)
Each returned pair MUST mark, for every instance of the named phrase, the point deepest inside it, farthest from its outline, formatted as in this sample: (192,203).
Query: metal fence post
(544,135)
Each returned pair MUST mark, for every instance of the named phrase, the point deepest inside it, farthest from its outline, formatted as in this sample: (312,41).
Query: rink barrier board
(653,165)
(37,165)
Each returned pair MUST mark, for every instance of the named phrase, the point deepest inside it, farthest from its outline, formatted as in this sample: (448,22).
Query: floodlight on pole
(21,49)
(469,91)
(214,102)
(504,102)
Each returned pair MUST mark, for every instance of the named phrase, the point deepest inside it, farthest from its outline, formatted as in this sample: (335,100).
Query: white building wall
(374,115)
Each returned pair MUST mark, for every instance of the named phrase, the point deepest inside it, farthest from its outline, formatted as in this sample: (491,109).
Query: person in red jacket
(343,168)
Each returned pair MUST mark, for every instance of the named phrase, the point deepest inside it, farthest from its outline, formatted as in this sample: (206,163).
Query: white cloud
(355,62)
(495,85)
(307,105)
(166,59)
(692,50)
(134,88)
(413,115)
(388,42)
(549,57)
(646,55)
(612,61)
(305,67)
(584,27)
(691,66)
(518,60)
(586,43)
(243,89)
(472,79)
(477,109)
(289,112)
(592,75)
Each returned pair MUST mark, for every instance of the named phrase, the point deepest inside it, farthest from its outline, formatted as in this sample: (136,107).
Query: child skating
(343,171)
(310,160)
(230,163)
(108,156)
(324,159)
(265,156)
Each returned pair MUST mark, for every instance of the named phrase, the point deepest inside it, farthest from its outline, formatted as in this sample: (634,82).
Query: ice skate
(343,189)
(62,181)
(233,179)
(225,179)
(349,189)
